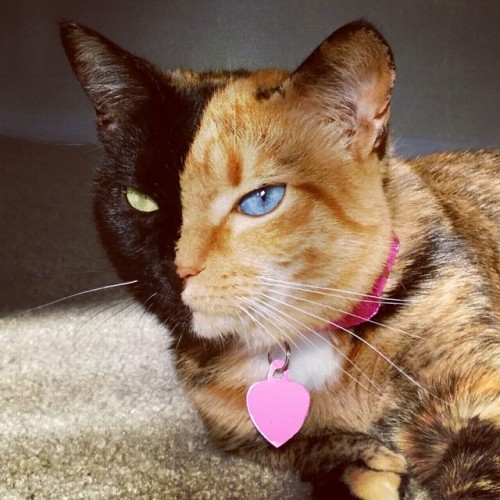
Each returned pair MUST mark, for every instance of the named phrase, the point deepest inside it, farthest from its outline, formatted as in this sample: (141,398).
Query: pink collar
(370,304)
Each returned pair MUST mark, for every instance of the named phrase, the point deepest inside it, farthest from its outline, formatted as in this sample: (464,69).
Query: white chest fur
(314,362)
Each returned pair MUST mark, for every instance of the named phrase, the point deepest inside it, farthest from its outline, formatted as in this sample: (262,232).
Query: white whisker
(79,294)
(320,290)
(346,313)
(258,322)
(356,243)
(81,341)
(146,311)
(282,321)
(261,311)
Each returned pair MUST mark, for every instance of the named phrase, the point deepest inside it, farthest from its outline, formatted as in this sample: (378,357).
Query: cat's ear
(116,82)
(348,80)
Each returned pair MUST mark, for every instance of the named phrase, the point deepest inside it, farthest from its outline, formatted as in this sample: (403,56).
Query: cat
(265,218)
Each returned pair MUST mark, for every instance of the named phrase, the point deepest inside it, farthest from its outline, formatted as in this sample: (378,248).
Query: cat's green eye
(140,201)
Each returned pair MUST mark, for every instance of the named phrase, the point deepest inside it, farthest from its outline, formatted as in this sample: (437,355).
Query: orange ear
(348,79)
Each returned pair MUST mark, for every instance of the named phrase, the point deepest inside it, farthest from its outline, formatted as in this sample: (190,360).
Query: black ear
(348,80)
(117,83)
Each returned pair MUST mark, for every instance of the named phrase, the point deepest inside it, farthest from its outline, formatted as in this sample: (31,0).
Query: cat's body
(272,204)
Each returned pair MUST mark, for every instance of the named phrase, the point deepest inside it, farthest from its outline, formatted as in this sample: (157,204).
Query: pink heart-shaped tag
(278,407)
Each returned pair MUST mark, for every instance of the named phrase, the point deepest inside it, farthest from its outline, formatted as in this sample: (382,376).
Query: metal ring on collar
(285,366)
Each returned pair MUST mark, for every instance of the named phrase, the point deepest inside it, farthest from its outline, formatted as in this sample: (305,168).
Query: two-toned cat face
(244,194)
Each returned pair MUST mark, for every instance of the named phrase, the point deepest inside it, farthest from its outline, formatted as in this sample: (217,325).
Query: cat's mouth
(258,323)
(272,319)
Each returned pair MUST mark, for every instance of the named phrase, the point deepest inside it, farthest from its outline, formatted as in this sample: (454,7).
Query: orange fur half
(429,372)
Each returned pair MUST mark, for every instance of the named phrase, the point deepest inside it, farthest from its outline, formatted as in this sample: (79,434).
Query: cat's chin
(210,326)
(220,327)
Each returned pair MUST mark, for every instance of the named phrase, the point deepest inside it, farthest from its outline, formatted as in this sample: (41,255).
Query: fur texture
(413,393)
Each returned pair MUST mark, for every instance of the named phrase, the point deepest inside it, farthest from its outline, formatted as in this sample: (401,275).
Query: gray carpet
(89,403)
(90,408)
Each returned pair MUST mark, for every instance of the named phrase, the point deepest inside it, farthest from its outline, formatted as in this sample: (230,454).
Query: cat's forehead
(240,108)
(234,135)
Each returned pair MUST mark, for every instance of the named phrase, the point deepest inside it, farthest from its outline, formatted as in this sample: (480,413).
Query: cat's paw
(372,471)
(368,484)
(380,458)
(383,478)
(357,482)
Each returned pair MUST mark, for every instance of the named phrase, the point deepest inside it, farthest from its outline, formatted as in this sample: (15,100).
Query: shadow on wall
(49,244)
(446,52)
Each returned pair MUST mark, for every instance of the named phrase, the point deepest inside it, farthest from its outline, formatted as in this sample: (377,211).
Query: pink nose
(185,272)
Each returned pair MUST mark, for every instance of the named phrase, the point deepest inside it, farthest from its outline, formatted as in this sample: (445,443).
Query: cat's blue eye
(262,200)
